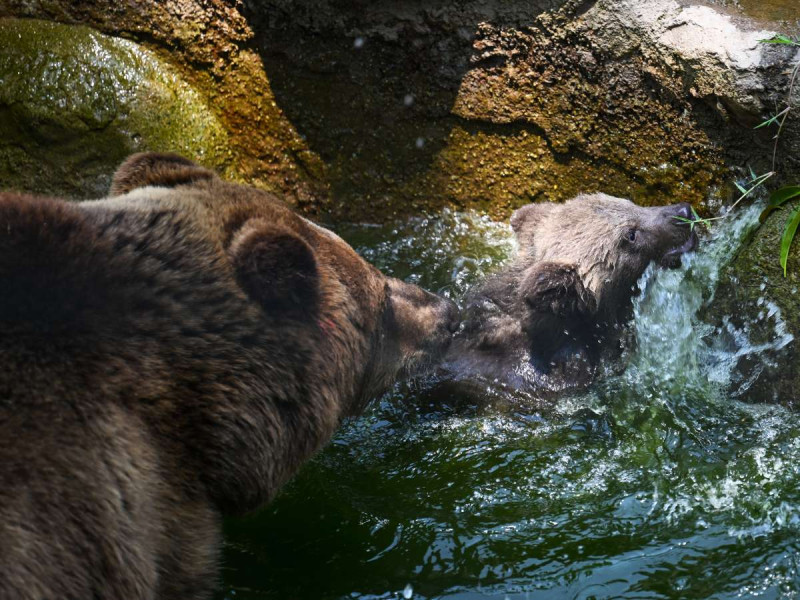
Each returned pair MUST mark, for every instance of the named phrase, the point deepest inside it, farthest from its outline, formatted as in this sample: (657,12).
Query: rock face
(756,303)
(363,109)
(492,104)
(74,103)
(204,44)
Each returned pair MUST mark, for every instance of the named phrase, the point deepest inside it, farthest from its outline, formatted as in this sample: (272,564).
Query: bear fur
(169,355)
(544,322)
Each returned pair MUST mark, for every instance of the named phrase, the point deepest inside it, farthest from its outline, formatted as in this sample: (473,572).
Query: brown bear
(168,355)
(542,323)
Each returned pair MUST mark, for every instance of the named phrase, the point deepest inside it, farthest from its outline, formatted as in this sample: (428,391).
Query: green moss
(74,103)
(753,285)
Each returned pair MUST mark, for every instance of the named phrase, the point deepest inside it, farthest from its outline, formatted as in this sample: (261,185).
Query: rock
(511,101)
(521,101)
(756,308)
(207,44)
(74,103)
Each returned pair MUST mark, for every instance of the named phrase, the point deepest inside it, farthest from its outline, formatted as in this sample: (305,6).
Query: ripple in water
(655,483)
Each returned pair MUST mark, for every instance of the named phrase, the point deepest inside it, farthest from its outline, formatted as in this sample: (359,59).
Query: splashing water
(656,482)
(673,344)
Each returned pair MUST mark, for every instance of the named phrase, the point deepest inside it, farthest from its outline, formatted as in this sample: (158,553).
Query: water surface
(787,11)
(655,483)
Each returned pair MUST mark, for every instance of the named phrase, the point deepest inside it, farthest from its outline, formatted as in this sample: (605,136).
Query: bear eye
(632,235)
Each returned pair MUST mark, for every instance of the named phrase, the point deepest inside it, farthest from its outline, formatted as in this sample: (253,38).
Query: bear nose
(684,211)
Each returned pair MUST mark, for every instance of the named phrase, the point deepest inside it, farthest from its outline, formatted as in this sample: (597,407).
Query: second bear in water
(544,321)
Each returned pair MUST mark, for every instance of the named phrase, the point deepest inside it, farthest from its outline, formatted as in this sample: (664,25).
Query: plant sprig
(780,117)
(782,39)
(789,192)
(754,183)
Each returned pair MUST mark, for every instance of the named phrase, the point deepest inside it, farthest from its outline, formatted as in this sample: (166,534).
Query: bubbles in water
(654,480)
(673,343)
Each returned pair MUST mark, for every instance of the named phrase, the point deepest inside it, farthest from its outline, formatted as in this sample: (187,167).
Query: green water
(766,10)
(653,484)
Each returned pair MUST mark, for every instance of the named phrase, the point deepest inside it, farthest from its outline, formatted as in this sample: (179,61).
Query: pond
(655,483)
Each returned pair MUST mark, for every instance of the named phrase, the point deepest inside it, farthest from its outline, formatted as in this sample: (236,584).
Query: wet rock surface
(207,44)
(491,105)
(363,110)
(755,301)
(74,103)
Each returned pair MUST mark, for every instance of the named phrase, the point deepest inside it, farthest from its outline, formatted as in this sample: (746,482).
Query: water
(787,11)
(655,483)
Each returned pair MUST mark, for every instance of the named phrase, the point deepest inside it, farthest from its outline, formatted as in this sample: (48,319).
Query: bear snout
(684,211)
(679,213)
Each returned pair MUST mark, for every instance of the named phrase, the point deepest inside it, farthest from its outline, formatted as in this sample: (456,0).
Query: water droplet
(408,591)
(358,43)
(408,100)
(420,142)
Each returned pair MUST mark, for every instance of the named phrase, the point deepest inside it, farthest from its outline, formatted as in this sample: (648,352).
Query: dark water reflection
(653,484)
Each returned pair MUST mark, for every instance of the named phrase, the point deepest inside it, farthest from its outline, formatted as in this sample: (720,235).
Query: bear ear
(160,169)
(530,214)
(277,269)
(557,288)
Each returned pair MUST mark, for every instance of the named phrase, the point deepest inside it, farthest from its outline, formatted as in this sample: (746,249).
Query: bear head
(238,331)
(556,306)
(605,242)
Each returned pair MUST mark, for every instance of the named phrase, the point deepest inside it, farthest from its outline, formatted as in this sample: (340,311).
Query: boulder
(756,313)
(367,109)
(74,103)
(206,45)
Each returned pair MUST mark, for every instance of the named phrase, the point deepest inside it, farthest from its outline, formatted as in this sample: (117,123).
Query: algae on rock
(366,110)
(755,299)
(74,103)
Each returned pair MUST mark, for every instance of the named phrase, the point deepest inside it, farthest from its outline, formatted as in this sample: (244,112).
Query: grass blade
(788,236)
(769,121)
(780,39)
(778,197)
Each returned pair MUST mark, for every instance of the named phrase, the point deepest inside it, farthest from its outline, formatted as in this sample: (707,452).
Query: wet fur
(168,356)
(545,321)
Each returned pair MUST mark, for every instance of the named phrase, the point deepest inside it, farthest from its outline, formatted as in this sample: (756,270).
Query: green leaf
(783,194)
(780,39)
(770,121)
(692,223)
(774,118)
(788,236)
(778,197)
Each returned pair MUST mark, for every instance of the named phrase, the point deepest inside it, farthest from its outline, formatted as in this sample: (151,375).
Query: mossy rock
(756,301)
(74,103)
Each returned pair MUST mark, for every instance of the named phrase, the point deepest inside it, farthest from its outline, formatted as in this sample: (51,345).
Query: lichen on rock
(74,103)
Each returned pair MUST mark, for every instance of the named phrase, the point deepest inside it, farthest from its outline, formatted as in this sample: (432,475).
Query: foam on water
(673,344)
